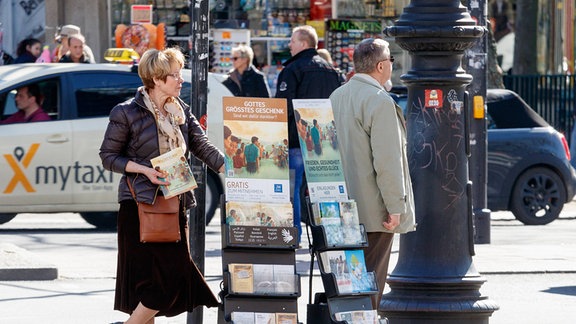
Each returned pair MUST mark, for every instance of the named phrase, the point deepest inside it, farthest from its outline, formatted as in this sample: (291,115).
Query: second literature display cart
(338,243)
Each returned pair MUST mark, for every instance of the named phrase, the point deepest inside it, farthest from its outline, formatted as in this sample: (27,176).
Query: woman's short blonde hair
(157,64)
(244,51)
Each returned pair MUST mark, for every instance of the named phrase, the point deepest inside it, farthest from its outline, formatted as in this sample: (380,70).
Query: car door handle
(57,138)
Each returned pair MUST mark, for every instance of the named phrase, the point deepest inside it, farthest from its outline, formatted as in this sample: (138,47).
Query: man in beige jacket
(372,142)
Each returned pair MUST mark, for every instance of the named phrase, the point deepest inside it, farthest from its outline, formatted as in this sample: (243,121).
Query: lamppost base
(441,302)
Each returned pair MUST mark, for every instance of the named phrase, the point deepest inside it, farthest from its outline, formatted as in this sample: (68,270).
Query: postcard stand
(257,245)
(332,301)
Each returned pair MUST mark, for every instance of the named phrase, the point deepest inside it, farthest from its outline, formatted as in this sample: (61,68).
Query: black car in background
(529,171)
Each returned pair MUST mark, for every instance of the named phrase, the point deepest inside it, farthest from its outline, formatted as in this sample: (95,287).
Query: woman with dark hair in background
(28,51)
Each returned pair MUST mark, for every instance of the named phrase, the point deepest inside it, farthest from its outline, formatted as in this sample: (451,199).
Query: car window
(490,124)
(49,89)
(98,92)
(508,110)
(7,103)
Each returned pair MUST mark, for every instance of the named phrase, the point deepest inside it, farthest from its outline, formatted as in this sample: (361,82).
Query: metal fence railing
(552,96)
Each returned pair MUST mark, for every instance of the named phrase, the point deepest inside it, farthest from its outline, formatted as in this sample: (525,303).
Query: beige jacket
(372,141)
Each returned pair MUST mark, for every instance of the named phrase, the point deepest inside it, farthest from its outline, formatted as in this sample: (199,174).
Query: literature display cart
(259,267)
(338,236)
(259,239)
(339,240)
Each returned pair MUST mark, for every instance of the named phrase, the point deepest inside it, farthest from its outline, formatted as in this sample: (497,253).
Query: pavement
(532,249)
(515,252)
(19,264)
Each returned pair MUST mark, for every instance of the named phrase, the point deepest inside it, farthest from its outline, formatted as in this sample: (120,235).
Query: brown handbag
(159,221)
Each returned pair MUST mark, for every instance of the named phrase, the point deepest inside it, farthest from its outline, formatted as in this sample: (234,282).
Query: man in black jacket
(305,76)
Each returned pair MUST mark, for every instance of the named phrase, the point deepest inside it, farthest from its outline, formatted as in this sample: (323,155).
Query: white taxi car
(54,166)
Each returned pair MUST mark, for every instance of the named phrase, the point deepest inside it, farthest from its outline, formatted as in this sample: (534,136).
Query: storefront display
(140,37)
(223,41)
(264,18)
(367,9)
(173,13)
(342,35)
(284,15)
(266,26)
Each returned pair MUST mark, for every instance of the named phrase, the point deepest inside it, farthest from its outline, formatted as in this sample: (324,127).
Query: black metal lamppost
(435,280)
(198,42)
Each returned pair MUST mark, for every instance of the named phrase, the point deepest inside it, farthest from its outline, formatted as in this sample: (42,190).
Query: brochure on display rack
(264,318)
(264,279)
(340,221)
(349,269)
(319,145)
(256,145)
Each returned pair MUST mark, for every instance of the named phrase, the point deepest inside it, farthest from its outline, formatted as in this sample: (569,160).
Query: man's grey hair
(368,53)
(307,33)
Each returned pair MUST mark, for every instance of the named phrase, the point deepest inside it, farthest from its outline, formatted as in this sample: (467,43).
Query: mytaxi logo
(55,177)
(18,163)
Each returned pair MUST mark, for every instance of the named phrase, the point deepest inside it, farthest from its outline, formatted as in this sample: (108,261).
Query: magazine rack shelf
(269,289)
(323,307)
(321,241)
(266,259)
(255,304)
(335,300)
(253,255)
(332,288)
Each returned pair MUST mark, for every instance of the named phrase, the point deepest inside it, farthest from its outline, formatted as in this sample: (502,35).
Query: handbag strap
(134,195)
(131,189)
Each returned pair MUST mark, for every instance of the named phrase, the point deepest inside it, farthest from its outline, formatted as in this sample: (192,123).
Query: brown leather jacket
(132,136)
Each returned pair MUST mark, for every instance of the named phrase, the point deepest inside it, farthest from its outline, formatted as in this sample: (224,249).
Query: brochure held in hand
(177,170)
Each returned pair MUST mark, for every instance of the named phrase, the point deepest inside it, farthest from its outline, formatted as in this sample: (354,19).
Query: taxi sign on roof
(121,55)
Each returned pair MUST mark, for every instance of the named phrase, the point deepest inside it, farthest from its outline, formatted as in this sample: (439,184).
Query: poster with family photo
(319,144)
(256,149)
(248,213)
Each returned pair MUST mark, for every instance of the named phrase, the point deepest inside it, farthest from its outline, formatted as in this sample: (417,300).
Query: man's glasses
(236,58)
(391,59)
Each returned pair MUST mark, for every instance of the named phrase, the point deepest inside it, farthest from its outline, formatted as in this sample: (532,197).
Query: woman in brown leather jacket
(155,279)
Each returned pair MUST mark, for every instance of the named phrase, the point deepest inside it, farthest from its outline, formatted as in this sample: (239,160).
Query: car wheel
(6,217)
(538,197)
(214,190)
(102,220)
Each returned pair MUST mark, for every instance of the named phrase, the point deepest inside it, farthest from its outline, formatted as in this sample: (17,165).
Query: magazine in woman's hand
(177,171)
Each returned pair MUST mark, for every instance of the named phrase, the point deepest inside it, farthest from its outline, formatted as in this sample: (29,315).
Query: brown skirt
(160,275)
